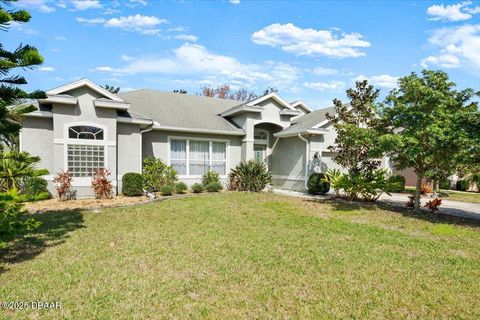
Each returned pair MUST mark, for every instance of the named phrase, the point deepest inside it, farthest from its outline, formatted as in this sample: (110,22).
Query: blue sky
(311,51)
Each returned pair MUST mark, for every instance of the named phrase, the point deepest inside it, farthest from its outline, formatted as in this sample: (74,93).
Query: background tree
(24,56)
(422,121)
(225,92)
(181,91)
(112,89)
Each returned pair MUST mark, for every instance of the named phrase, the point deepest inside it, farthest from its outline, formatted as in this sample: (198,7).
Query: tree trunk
(417,192)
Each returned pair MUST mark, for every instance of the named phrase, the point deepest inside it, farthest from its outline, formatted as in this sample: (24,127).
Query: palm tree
(15,166)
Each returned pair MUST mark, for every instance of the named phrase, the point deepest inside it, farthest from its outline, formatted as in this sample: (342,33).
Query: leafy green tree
(356,123)
(24,56)
(422,121)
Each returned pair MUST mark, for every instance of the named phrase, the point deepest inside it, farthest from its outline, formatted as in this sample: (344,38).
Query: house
(80,127)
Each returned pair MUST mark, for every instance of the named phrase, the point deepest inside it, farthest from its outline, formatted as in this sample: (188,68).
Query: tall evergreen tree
(24,56)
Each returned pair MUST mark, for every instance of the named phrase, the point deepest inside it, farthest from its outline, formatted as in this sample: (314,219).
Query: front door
(260,152)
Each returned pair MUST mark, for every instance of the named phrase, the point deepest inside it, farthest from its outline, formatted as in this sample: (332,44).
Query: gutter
(307,151)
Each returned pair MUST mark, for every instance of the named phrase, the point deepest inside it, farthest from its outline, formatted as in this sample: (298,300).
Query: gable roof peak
(84,82)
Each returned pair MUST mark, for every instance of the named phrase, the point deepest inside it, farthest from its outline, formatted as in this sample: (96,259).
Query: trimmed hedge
(214,186)
(397,179)
(317,184)
(167,190)
(198,188)
(132,184)
(445,184)
(462,185)
(181,187)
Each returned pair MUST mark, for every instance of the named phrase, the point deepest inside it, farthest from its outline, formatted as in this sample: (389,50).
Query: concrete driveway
(448,207)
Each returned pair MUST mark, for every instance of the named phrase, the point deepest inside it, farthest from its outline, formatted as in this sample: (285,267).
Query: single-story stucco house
(80,126)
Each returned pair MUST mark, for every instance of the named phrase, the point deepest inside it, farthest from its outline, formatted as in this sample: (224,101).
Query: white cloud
(125,57)
(138,23)
(39,5)
(382,80)
(22,28)
(321,71)
(81,5)
(311,42)
(178,29)
(459,46)
(446,61)
(60,38)
(453,12)
(46,69)
(194,59)
(234,1)
(186,37)
(321,86)
(135,3)
(90,21)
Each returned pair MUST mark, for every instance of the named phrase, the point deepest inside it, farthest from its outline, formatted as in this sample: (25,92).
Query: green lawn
(239,255)
(462,196)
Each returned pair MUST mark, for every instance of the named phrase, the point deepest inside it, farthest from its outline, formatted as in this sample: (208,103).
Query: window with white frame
(196,157)
(83,156)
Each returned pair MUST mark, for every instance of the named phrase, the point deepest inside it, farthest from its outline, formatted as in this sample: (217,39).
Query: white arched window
(85,149)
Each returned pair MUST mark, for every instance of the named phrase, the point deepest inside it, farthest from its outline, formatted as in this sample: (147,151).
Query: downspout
(307,153)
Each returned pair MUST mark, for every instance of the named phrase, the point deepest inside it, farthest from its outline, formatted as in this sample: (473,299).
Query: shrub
(209,177)
(198,188)
(214,186)
(399,181)
(101,184)
(16,166)
(318,184)
(181,187)
(63,185)
(333,176)
(367,185)
(433,205)
(167,190)
(157,174)
(249,176)
(132,184)
(462,185)
(34,189)
(445,184)
(12,221)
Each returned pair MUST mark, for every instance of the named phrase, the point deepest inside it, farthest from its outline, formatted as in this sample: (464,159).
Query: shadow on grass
(442,217)
(53,231)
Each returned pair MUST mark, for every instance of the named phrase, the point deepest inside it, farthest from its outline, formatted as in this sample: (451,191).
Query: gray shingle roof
(309,120)
(181,110)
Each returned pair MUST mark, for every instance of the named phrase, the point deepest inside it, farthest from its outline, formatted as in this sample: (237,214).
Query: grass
(240,255)
(462,196)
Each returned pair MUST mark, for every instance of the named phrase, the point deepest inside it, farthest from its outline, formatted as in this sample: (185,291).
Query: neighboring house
(80,126)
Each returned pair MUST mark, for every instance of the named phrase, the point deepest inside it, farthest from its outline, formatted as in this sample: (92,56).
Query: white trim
(59,99)
(295,133)
(271,95)
(288,112)
(324,122)
(199,130)
(81,83)
(133,121)
(210,154)
(240,109)
(40,114)
(118,105)
(303,105)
